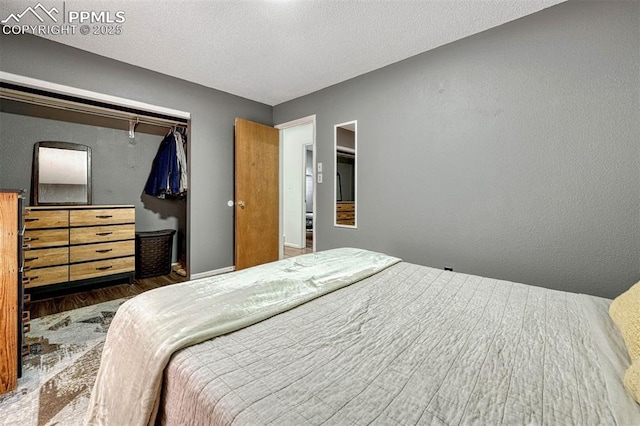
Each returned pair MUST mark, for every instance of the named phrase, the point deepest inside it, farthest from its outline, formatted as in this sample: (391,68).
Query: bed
(392,343)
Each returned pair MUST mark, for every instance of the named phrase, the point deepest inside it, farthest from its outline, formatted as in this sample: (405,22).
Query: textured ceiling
(272,51)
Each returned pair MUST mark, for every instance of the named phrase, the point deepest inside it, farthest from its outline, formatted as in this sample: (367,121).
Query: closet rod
(71,106)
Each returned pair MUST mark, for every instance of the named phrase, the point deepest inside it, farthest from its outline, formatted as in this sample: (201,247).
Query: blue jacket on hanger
(164,178)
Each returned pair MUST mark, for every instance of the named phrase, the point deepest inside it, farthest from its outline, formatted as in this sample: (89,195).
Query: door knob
(242,204)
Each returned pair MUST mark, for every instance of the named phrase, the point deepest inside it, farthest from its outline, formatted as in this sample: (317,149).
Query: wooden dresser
(13,319)
(71,245)
(345,213)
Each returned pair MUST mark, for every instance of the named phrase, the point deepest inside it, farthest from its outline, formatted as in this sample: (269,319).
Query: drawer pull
(26,268)
(26,280)
(26,247)
(104,251)
(104,268)
(27,327)
(31,219)
(31,239)
(26,316)
(29,259)
(104,233)
(26,298)
(104,216)
(32,278)
(26,350)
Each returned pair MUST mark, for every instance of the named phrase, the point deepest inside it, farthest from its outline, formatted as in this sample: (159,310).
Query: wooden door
(256,194)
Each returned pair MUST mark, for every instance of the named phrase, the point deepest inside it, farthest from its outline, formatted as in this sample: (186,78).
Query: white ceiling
(272,51)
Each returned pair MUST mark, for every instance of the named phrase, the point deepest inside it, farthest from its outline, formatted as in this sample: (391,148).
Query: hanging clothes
(182,160)
(168,176)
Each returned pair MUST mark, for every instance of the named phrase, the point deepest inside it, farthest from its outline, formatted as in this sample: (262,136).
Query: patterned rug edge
(59,372)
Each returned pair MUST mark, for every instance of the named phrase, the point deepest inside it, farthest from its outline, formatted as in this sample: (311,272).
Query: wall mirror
(345,147)
(60,174)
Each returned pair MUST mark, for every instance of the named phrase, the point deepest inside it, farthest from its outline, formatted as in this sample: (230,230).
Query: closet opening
(124,136)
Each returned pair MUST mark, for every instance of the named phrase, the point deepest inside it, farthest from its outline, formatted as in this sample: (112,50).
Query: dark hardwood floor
(40,308)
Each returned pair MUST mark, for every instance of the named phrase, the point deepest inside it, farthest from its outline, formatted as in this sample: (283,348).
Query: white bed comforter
(148,329)
(412,345)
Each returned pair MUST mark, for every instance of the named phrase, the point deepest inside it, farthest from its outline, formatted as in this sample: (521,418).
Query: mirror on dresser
(61,174)
(345,147)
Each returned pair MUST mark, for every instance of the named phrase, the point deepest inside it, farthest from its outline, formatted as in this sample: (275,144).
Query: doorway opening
(297,187)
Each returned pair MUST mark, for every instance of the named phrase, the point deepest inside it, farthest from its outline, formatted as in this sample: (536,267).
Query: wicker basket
(153,253)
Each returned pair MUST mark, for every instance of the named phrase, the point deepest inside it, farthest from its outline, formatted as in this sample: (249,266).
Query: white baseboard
(213,272)
(293,246)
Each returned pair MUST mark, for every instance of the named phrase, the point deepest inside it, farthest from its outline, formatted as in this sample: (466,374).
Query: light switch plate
(319,177)
(319,167)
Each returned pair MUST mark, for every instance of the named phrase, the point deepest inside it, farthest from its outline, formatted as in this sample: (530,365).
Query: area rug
(59,372)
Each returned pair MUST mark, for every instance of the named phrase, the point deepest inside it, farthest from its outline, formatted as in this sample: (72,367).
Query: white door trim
(62,89)
(311,119)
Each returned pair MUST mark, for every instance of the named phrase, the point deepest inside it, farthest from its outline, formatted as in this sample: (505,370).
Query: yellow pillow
(625,312)
(632,380)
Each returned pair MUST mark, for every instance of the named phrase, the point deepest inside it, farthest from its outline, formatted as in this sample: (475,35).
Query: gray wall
(513,154)
(120,166)
(212,119)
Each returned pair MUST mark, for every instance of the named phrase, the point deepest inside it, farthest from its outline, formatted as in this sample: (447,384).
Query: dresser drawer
(345,206)
(98,234)
(44,276)
(46,257)
(40,238)
(88,252)
(92,217)
(100,268)
(345,215)
(46,219)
